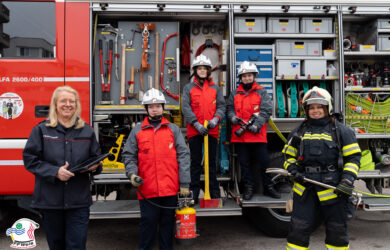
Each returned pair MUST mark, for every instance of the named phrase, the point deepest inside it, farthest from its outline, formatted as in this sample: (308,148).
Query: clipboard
(89,163)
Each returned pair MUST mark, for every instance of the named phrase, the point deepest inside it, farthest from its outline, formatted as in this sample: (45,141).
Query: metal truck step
(376,204)
(373,174)
(116,209)
(260,200)
(118,178)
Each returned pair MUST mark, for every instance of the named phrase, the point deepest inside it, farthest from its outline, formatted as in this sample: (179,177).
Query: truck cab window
(27,30)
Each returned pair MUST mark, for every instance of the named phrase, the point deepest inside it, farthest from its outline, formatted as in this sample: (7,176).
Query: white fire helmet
(318,95)
(247,67)
(153,96)
(201,60)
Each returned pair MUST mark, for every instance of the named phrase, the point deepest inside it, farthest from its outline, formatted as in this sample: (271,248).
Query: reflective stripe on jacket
(320,149)
(201,103)
(159,156)
(243,104)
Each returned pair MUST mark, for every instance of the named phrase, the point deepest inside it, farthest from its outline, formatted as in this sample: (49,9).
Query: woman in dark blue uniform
(53,148)
(324,150)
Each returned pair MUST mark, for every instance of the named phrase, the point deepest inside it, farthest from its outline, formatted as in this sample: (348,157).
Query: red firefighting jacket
(159,156)
(243,104)
(202,103)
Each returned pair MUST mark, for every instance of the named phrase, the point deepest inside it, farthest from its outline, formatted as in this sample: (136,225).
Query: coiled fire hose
(370,116)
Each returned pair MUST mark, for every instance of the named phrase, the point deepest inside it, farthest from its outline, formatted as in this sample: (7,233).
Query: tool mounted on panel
(130,43)
(108,28)
(105,85)
(165,89)
(123,75)
(145,57)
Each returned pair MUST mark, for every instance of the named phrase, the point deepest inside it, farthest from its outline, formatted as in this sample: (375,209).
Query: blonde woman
(53,148)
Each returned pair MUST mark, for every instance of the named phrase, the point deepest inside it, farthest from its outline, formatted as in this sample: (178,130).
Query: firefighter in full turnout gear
(203,100)
(325,150)
(251,103)
(157,161)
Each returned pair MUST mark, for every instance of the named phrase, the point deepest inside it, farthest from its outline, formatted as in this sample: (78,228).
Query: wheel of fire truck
(272,222)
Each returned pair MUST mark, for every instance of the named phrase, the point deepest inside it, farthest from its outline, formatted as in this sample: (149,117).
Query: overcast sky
(36,20)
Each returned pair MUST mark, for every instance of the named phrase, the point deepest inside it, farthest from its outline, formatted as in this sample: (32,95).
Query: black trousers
(155,219)
(256,153)
(304,215)
(66,229)
(195,144)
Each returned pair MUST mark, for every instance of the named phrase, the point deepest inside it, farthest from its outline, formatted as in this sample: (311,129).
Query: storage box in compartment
(329,53)
(249,24)
(254,55)
(265,71)
(283,25)
(316,25)
(286,47)
(314,69)
(383,42)
(366,48)
(288,68)
(383,24)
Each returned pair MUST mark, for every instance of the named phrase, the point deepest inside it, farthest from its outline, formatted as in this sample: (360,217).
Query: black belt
(319,169)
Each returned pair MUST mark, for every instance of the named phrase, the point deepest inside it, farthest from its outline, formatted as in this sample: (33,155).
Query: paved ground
(370,230)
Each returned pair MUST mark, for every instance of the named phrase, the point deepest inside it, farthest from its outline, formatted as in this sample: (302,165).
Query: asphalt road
(370,230)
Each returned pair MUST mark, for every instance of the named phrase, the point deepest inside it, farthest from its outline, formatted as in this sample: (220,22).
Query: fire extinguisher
(185,217)
(185,226)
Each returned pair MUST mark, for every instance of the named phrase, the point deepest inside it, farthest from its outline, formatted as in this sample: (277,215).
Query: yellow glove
(136,180)
(184,192)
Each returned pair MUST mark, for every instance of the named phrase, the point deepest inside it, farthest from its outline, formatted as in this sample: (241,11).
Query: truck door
(31,67)
(77,52)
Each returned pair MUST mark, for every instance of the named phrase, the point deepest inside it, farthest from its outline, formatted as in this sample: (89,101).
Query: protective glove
(296,175)
(213,123)
(254,129)
(235,120)
(201,129)
(184,192)
(344,188)
(136,180)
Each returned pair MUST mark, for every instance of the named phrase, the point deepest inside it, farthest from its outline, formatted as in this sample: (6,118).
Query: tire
(272,222)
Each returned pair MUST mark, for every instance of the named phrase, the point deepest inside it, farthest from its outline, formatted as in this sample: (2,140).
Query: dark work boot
(248,192)
(271,192)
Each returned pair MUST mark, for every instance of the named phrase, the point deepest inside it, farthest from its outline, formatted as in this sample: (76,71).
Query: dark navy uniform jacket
(48,149)
(321,150)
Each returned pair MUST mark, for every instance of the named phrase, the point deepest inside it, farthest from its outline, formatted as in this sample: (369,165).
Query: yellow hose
(275,128)
(206,166)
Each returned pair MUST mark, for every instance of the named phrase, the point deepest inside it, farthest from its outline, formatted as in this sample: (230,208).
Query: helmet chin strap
(155,118)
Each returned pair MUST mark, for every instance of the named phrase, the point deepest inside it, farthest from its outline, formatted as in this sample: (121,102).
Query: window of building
(27,30)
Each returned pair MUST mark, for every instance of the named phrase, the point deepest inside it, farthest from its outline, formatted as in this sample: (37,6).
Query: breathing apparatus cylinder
(185,226)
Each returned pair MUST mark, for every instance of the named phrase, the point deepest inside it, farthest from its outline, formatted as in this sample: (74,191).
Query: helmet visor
(317,101)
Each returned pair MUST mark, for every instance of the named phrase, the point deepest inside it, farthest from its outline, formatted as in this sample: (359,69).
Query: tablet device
(89,163)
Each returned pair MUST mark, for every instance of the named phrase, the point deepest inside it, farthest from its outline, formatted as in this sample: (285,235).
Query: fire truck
(113,51)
